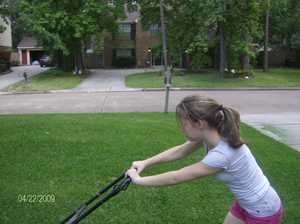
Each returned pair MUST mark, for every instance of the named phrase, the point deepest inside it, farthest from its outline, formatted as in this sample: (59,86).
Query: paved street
(247,102)
(275,113)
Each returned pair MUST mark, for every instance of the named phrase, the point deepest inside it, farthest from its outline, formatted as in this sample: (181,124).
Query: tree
(63,26)
(222,33)
(3,14)
(284,23)
(10,13)
(242,28)
(187,26)
(266,41)
(202,27)
(17,26)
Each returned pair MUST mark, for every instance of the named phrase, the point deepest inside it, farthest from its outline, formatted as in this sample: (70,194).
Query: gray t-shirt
(241,174)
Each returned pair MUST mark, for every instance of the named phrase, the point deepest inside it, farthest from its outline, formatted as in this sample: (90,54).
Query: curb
(66,91)
(152,90)
(222,89)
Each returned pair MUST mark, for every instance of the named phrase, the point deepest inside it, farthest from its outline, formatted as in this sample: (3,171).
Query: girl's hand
(138,165)
(132,173)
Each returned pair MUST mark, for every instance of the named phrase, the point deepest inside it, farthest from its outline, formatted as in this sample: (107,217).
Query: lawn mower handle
(120,184)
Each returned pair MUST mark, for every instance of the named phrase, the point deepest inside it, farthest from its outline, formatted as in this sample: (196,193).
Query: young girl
(205,122)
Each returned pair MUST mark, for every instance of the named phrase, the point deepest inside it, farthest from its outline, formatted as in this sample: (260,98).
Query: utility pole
(266,54)
(167,70)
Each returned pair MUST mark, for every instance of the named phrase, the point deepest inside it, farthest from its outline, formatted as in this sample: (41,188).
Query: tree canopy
(63,26)
(206,30)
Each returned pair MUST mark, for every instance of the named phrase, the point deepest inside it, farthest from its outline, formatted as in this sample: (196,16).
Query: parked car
(45,61)
(35,62)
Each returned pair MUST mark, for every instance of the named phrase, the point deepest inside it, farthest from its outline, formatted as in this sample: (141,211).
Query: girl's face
(193,131)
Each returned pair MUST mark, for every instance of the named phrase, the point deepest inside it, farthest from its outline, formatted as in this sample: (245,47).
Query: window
(124,32)
(154,29)
(123,53)
(124,28)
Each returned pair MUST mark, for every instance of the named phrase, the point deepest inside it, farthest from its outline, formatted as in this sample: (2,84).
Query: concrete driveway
(108,80)
(17,74)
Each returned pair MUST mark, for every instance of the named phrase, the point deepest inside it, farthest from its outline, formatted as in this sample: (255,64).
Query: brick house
(131,41)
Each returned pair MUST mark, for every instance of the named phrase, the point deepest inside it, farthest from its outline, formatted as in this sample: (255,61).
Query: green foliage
(242,26)
(65,25)
(156,50)
(284,23)
(12,12)
(198,50)
(4,12)
(4,65)
(192,27)
(61,25)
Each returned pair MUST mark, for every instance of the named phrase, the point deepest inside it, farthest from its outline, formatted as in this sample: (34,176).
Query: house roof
(29,42)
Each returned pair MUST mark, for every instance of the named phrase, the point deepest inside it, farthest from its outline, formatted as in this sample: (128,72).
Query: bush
(124,62)
(4,65)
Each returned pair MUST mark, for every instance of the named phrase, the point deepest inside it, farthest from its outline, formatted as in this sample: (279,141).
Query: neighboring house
(29,50)
(131,42)
(5,42)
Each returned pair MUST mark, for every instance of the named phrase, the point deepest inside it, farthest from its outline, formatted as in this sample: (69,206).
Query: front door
(24,57)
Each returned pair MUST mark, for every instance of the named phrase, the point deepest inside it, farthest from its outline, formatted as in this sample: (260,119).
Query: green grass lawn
(49,80)
(210,79)
(67,155)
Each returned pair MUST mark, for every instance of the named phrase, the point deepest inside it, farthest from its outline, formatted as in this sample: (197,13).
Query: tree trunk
(245,59)
(57,57)
(78,59)
(266,54)
(245,63)
(223,58)
(222,49)
(63,62)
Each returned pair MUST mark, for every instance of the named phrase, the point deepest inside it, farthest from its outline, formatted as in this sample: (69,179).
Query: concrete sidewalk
(275,113)
(17,74)
(284,127)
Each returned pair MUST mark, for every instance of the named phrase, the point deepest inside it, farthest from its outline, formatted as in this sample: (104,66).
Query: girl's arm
(174,153)
(185,174)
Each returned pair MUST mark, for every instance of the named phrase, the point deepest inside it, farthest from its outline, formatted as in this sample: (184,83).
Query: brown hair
(224,119)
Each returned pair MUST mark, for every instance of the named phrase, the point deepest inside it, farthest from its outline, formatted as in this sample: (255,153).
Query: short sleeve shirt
(240,172)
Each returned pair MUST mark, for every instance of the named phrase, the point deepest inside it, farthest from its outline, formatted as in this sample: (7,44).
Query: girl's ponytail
(229,126)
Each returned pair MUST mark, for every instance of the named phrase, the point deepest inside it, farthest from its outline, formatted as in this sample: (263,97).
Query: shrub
(4,65)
